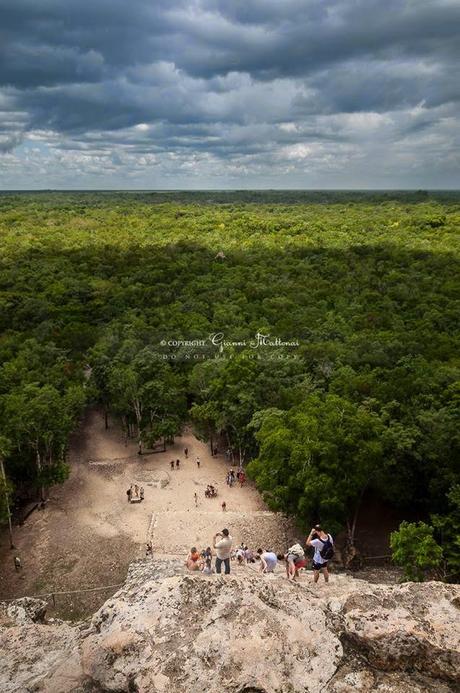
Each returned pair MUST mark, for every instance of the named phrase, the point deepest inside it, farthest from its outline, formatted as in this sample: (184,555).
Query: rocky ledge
(169,633)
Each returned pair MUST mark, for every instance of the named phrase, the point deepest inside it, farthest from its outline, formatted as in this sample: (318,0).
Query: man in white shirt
(223,550)
(322,543)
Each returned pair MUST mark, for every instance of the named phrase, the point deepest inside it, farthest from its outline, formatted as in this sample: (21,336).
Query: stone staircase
(174,532)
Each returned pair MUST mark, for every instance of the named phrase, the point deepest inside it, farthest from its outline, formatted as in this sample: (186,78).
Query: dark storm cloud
(260,79)
(303,40)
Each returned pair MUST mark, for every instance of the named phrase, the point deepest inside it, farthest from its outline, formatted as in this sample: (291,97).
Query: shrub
(415,550)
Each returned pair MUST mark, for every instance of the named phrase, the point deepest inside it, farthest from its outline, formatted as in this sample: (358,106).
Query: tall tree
(317,459)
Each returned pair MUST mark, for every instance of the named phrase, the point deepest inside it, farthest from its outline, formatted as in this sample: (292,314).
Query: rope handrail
(55,593)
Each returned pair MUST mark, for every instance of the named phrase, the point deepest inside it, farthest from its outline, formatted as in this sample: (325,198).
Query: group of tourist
(200,560)
(175,464)
(231,477)
(243,554)
(295,557)
(135,493)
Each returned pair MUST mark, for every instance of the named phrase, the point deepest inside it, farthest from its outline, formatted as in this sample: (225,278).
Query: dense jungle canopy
(100,294)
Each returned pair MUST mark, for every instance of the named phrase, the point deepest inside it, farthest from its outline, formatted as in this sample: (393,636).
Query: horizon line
(226,190)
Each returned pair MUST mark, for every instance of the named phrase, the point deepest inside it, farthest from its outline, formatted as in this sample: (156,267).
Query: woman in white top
(268,561)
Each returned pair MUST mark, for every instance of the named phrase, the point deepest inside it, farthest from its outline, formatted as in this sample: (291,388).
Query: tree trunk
(39,469)
(351,523)
(7,503)
(350,538)
(138,413)
(125,427)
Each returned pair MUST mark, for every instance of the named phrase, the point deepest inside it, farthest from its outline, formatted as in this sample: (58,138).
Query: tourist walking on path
(172,464)
(129,493)
(196,499)
(177,464)
(324,551)
(224,506)
(186,453)
(223,548)
(198,462)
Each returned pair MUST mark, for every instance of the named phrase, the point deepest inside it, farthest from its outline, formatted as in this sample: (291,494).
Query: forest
(149,305)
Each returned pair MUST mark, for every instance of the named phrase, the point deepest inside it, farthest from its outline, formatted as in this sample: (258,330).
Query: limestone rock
(219,634)
(410,626)
(37,657)
(27,610)
(166,632)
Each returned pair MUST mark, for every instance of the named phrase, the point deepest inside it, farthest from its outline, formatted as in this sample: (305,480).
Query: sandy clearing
(89,533)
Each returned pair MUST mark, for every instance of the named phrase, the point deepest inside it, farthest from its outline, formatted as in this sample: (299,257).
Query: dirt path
(89,533)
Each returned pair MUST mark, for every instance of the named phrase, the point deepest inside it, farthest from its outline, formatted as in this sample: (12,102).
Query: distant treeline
(229,197)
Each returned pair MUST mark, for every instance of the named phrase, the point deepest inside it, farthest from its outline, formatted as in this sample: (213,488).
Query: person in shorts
(293,556)
(320,541)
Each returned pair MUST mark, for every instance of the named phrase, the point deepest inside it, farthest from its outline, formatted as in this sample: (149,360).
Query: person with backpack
(294,555)
(323,545)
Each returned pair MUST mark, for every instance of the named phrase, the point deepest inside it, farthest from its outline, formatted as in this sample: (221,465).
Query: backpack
(297,550)
(327,552)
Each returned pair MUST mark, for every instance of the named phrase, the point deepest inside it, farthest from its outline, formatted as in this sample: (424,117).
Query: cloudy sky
(229,94)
